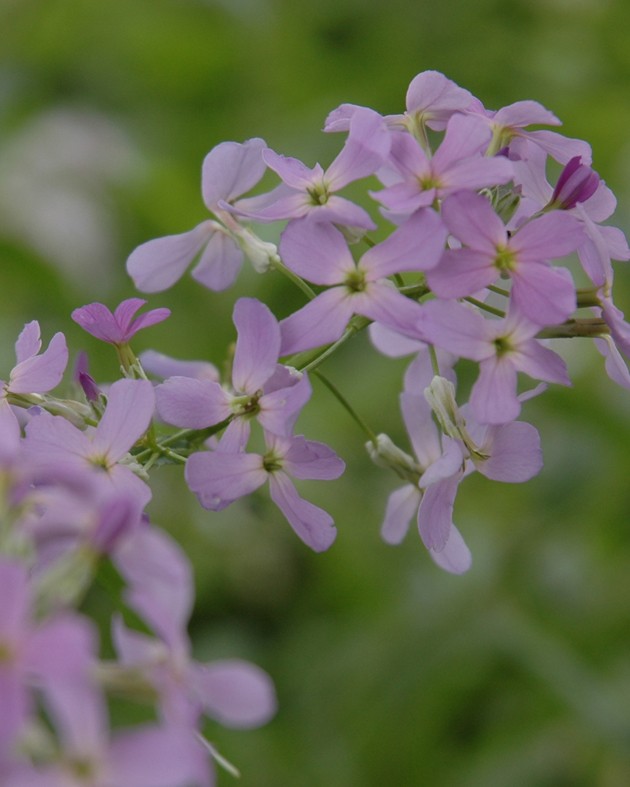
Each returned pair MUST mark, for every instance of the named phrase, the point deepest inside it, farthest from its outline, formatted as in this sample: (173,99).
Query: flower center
(355,281)
(318,194)
(272,462)
(505,261)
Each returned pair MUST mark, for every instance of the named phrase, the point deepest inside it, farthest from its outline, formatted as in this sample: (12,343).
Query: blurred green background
(388,671)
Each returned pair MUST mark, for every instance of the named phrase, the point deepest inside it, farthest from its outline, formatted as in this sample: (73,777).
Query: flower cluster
(478,257)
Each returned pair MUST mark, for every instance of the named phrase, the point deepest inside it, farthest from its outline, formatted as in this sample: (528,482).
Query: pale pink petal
(366,146)
(234,692)
(383,303)
(218,478)
(471,219)
(164,366)
(456,328)
(317,252)
(547,237)
(417,245)
(418,418)
(402,506)
(321,321)
(312,524)
(28,342)
(312,459)
(493,398)
(515,454)
(156,757)
(157,264)
(279,410)
(525,113)
(231,169)
(462,272)
(257,345)
(436,98)
(454,556)
(435,515)
(541,363)
(466,136)
(219,263)
(544,294)
(192,404)
(130,406)
(41,373)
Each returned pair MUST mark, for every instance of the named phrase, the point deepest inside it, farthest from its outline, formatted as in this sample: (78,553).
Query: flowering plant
(479,257)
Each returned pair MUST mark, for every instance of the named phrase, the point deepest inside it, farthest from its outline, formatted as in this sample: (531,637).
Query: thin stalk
(485,307)
(346,404)
(293,277)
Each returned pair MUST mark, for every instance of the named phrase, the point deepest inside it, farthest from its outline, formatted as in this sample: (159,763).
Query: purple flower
(577,183)
(57,650)
(53,441)
(457,164)
(502,348)
(319,253)
(229,170)
(33,372)
(312,192)
(261,387)
(219,478)
(119,327)
(544,294)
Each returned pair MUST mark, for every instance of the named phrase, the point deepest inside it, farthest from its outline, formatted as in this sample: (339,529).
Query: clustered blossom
(478,257)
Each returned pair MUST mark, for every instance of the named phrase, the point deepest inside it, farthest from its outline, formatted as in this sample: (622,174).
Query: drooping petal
(234,692)
(257,345)
(515,454)
(454,556)
(280,408)
(435,515)
(402,506)
(157,264)
(192,404)
(418,418)
(312,459)
(312,524)
(493,398)
(164,366)
(220,262)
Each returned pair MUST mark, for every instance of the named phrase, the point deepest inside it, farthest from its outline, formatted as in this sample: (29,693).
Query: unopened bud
(385,453)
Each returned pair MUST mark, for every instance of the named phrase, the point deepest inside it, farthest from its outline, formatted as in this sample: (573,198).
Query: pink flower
(119,327)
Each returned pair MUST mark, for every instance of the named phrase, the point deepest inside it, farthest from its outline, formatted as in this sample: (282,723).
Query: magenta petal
(515,454)
(257,345)
(312,524)
(218,478)
(155,757)
(130,406)
(402,506)
(321,321)
(235,693)
(317,252)
(416,245)
(41,373)
(29,341)
(220,262)
(454,556)
(231,169)
(191,404)
(157,264)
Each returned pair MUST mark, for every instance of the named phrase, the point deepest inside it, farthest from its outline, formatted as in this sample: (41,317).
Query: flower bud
(386,454)
(576,183)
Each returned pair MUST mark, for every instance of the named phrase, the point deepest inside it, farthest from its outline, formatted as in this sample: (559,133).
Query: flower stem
(293,277)
(352,412)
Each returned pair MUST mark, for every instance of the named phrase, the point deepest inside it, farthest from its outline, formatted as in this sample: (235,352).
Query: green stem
(352,412)
(293,277)
(485,307)
(572,328)
(498,290)
(434,361)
